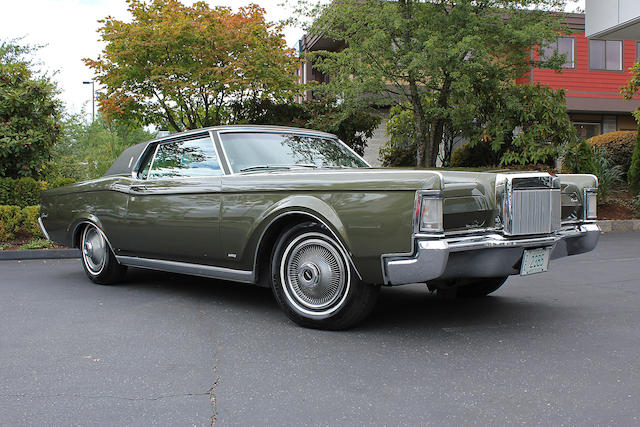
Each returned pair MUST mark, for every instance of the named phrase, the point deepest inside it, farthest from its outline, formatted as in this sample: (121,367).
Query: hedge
(15,221)
(634,170)
(26,191)
(618,145)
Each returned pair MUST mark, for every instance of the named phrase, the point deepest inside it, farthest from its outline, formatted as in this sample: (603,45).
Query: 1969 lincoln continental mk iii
(298,211)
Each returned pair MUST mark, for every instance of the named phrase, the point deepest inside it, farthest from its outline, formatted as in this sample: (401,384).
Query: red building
(592,77)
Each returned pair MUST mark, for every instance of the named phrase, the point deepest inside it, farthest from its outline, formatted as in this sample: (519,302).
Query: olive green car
(298,211)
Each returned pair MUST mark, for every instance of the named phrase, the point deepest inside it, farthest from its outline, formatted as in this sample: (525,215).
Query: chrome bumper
(486,255)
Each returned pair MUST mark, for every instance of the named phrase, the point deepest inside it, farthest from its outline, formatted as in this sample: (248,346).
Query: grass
(37,244)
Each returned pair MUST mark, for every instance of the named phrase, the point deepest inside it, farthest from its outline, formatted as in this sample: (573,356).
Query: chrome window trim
(173,141)
(226,156)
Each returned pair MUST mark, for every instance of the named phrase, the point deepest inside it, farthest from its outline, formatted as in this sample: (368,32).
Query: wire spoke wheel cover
(94,250)
(315,274)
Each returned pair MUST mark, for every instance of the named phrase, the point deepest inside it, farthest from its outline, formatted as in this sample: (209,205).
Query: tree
(525,124)
(180,66)
(29,113)
(439,57)
(633,88)
(86,151)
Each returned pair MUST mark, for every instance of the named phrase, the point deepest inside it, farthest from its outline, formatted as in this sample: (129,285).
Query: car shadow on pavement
(407,307)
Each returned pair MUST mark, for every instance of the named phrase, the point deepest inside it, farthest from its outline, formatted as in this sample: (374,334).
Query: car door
(174,204)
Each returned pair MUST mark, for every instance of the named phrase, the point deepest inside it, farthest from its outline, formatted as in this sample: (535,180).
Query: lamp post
(93,99)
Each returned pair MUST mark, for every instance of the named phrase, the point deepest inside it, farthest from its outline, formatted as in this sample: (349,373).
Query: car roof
(125,163)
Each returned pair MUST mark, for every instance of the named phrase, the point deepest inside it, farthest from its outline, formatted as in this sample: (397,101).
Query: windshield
(252,151)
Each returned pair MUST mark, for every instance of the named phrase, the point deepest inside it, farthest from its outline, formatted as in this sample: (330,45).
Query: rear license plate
(535,261)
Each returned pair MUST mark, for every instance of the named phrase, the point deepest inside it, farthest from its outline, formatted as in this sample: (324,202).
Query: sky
(68,29)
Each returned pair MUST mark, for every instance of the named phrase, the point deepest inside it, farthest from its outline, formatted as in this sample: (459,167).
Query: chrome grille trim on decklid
(528,203)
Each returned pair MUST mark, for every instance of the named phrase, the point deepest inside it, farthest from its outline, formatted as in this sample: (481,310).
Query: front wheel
(314,282)
(98,260)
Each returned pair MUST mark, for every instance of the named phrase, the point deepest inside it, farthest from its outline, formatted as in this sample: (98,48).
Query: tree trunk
(420,127)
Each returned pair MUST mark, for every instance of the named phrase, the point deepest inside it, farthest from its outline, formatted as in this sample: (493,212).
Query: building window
(605,55)
(587,130)
(637,51)
(562,46)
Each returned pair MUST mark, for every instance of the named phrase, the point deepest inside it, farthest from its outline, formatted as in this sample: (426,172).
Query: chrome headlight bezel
(429,217)
(590,204)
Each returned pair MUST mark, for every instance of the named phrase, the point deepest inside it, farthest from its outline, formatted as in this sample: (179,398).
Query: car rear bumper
(485,255)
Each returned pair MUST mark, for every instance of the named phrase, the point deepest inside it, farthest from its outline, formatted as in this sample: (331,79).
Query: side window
(195,157)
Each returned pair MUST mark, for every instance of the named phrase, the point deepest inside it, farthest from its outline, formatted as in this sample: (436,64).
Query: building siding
(582,82)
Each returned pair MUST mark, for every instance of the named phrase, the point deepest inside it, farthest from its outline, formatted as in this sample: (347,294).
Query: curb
(40,254)
(619,226)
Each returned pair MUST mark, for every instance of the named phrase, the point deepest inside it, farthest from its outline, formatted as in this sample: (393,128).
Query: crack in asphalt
(212,396)
(76,395)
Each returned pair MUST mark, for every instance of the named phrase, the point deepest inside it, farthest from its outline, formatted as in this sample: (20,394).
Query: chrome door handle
(138,188)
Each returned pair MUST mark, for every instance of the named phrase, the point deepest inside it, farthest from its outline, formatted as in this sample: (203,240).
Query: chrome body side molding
(187,268)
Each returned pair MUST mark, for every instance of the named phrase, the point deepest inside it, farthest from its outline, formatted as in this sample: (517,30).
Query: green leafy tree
(86,151)
(439,57)
(29,113)
(629,91)
(525,124)
(180,66)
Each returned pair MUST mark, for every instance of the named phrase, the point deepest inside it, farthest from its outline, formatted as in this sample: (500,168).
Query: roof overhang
(628,30)
(601,105)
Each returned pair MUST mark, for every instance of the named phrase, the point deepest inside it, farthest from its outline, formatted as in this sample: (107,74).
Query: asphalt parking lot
(561,348)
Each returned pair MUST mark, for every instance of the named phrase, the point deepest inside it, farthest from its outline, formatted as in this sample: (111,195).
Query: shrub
(635,206)
(7,190)
(609,175)
(30,224)
(618,145)
(10,222)
(27,192)
(579,158)
(391,155)
(60,182)
(15,220)
(633,177)
(476,155)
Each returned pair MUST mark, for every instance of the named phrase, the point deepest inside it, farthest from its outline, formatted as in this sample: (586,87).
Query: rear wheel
(98,260)
(314,283)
